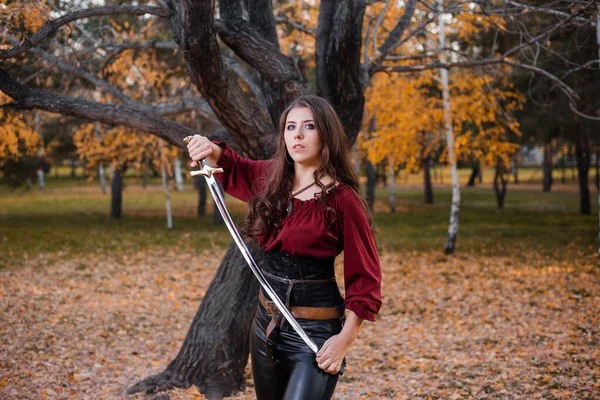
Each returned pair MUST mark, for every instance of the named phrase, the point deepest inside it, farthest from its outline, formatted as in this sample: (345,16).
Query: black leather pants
(295,374)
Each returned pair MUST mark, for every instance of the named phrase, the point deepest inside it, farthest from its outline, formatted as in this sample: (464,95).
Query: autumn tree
(19,146)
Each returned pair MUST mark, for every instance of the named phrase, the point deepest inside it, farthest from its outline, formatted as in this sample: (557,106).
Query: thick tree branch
(52,26)
(275,67)
(251,129)
(339,78)
(110,114)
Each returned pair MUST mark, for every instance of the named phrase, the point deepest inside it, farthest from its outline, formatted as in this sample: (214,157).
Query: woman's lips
(298,147)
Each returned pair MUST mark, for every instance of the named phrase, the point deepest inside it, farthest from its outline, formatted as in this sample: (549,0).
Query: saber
(207,171)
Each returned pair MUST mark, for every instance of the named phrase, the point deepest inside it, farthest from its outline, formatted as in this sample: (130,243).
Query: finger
(325,364)
(196,142)
(332,368)
(323,348)
(193,164)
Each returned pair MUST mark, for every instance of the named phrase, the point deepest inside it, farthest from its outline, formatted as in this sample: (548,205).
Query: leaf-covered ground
(458,327)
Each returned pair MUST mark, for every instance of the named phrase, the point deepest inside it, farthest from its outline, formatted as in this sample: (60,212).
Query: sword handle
(206,169)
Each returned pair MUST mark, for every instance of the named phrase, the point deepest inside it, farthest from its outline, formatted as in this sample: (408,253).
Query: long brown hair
(268,208)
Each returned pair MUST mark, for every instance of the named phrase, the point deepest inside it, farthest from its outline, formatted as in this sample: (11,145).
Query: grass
(70,217)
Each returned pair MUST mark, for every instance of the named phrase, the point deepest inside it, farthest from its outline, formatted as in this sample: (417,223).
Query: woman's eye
(310,126)
(291,127)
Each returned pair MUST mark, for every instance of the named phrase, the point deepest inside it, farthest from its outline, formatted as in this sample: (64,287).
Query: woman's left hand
(332,353)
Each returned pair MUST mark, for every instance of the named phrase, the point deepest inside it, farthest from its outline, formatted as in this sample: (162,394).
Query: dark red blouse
(315,229)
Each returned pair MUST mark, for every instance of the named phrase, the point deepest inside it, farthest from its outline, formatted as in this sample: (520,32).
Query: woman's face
(302,138)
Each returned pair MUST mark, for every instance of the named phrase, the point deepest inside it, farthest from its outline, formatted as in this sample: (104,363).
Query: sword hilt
(206,169)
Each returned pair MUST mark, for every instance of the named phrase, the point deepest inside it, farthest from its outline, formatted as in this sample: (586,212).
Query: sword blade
(237,238)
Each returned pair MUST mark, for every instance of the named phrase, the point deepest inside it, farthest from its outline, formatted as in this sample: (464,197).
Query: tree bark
(200,185)
(427,181)
(548,180)
(371,180)
(102,178)
(339,76)
(597,165)
(500,183)
(582,154)
(116,191)
(219,334)
(392,186)
(165,182)
(474,173)
(455,206)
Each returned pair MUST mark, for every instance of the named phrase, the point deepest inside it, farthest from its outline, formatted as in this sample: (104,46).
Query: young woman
(304,210)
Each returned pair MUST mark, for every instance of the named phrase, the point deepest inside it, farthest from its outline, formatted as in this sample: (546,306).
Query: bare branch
(52,26)
(403,23)
(529,8)
(283,19)
(378,24)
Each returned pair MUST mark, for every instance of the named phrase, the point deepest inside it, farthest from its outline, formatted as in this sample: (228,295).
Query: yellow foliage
(409,117)
(121,147)
(17,140)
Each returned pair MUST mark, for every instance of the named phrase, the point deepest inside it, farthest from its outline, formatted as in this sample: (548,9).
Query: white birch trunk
(178,179)
(102,178)
(455,207)
(165,182)
(101,173)
(41,149)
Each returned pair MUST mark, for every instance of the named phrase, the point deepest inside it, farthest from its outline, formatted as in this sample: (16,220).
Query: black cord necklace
(290,206)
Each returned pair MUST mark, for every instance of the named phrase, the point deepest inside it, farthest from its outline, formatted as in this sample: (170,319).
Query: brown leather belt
(297,312)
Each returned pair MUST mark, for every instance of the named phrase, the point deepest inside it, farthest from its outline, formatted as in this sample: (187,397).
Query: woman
(304,209)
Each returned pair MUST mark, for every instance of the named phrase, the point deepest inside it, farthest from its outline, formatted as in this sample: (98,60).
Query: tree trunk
(514,169)
(582,154)
(474,174)
(563,169)
(40,149)
(500,183)
(455,207)
(102,178)
(177,173)
(392,186)
(116,190)
(215,350)
(597,178)
(548,180)
(73,167)
(371,178)
(146,170)
(427,181)
(200,185)
(165,182)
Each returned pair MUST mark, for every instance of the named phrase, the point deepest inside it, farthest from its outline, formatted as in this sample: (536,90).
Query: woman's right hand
(200,147)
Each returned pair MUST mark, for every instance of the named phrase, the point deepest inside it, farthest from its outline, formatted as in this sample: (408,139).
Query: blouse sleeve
(362,271)
(239,174)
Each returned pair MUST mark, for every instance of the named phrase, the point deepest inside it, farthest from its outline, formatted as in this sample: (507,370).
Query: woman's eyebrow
(293,122)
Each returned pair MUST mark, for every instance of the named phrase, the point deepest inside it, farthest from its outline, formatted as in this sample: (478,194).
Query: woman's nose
(298,133)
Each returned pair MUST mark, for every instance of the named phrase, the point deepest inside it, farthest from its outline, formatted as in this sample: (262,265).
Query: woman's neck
(304,175)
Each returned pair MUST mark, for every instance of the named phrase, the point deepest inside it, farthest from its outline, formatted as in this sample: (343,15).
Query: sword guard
(207,171)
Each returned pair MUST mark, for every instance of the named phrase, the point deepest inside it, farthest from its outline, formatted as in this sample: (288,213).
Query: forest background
(479,112)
